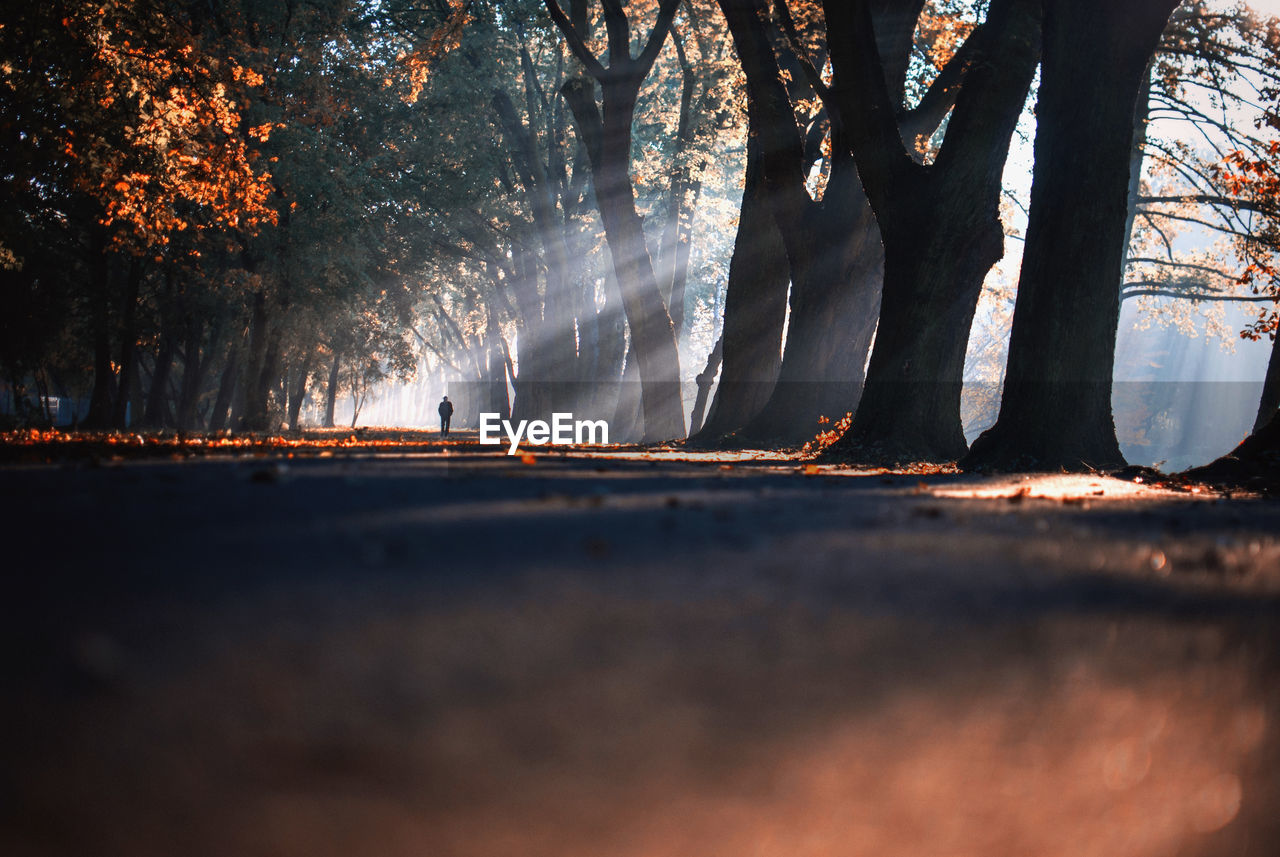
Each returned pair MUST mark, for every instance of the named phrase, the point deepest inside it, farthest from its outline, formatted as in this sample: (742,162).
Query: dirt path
(464,654)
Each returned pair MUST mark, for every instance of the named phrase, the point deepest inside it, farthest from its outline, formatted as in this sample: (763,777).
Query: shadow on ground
(389,652)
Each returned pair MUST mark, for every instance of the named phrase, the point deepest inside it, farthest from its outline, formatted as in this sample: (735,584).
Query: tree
(940,224)
(1211,65)
(1056,408)
(826,228)
(607,132)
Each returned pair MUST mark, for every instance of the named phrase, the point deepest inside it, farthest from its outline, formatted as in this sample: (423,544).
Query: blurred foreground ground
(443,652)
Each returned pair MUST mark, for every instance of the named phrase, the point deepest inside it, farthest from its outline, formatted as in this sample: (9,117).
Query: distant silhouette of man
(446,414)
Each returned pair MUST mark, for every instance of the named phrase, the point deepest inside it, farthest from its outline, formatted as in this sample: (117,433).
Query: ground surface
(453,653)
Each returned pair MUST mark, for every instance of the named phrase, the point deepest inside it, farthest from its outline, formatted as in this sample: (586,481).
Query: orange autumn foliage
(158,140)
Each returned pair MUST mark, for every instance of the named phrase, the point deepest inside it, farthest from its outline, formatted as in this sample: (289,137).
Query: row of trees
(222,207)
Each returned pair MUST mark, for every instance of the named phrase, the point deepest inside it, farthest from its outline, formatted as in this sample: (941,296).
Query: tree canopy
(233,215)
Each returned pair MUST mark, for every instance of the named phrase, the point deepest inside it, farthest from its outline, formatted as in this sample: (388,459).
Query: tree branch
(574,39)
(1144,289)
(866,112)
(666,14)
(811,74)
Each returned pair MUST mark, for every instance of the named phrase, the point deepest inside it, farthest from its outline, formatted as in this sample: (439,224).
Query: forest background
(255,215)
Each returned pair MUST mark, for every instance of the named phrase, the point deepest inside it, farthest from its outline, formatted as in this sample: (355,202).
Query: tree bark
(607,135)
(495,367)
(263,369)
(940,225)
(833,267)
(755,306)
(671,279)
(1269,403)
(705,379)
(836,280)
(1056,408)
(833,246)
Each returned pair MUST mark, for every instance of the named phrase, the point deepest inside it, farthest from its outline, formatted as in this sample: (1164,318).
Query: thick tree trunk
(835,299)
(671,277)
(1270,401)
(910,406)
(831,316)
(1056,408)
(940,226)
(1137,154)
(754,308)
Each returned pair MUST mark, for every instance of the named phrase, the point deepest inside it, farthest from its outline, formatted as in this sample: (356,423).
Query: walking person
(446,414)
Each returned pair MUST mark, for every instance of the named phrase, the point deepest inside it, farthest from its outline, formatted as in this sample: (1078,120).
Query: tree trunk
(776,399)
(940,225)
(263,370)
(671,279)
(837,274)
(705,379)
(1056,408)
(1270,401)
(611,354)
(298,390)
(754,308)
(534,395)
(910,406)
(550,331)
(627,425)
(331,391)
(1137,154)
